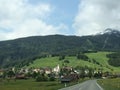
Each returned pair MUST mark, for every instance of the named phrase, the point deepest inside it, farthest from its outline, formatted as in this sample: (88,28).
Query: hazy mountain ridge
(23,50)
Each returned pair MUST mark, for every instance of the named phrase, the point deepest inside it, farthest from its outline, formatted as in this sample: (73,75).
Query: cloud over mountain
(20,18)
(96,15)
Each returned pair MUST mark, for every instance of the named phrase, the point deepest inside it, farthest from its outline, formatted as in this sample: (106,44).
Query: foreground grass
(31,84)
(110,84)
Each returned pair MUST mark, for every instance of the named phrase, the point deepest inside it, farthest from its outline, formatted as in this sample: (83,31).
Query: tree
(114,59)
(52,78)
(62,57)
(35,74)
(82,74)
(82,56)
(10,73)
(98,75)
(41,77)
(66,61)
(90,74)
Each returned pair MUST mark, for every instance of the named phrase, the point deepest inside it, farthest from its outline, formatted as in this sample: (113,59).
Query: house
(47,70)
(22,70)
(69,78)
(36,70)
(1,72)
(42,70)
(20,76)
(56,70)
(67,68)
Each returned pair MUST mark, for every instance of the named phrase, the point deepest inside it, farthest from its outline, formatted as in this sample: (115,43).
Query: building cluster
(64,73)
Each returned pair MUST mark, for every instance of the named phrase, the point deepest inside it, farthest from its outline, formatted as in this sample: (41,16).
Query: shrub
(41,78)
(52,79)
(62,57)
(82,56)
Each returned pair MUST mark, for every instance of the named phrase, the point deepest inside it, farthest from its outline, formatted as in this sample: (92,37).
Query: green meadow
(110,84)
(31,84)
(73,61)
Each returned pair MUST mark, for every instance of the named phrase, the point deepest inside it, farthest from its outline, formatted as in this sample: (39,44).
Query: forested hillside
(24,50)
(114,59)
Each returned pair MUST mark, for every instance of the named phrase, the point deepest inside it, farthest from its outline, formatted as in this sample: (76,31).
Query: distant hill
(24,50)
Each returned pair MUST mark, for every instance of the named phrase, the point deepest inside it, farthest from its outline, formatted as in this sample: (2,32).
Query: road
(87,85)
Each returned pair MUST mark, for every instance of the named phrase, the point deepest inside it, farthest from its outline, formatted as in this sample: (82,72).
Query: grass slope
(99,57)
(110,84)
(103,60)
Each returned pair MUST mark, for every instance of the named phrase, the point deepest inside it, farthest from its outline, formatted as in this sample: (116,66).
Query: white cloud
(34,27)
(22,19)
(96,15)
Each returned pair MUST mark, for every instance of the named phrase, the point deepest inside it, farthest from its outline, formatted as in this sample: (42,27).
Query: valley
(56,61)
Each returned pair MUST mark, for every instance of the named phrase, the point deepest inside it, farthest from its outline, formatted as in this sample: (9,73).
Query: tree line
(114,59)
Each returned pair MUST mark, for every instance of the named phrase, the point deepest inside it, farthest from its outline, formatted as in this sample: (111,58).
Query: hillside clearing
(73,61)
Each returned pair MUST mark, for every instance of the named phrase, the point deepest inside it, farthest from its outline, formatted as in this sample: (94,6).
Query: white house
(56,70)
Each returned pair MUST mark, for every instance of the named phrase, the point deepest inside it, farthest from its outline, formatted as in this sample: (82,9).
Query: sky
(23,18)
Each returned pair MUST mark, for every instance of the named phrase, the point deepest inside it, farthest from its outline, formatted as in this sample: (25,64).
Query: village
(63,74)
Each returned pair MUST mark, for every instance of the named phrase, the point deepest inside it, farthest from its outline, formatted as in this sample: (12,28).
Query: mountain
(111,31)
(24,50)
(111,39)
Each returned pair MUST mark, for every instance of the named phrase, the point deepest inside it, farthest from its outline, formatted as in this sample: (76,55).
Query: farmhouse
(20,76)
(48,70)
(69,78)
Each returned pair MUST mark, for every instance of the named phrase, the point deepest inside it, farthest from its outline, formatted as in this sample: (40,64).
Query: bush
(41,78)
(52,79)
(82,56)
(66,61)
(62,57)
(35,74)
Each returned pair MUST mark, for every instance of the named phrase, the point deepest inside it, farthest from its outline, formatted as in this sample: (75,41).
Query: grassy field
(110,84)
(31,84)
(99,57)
(103,60)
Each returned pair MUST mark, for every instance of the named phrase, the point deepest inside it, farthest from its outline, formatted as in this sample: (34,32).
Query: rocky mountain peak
(111,31)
